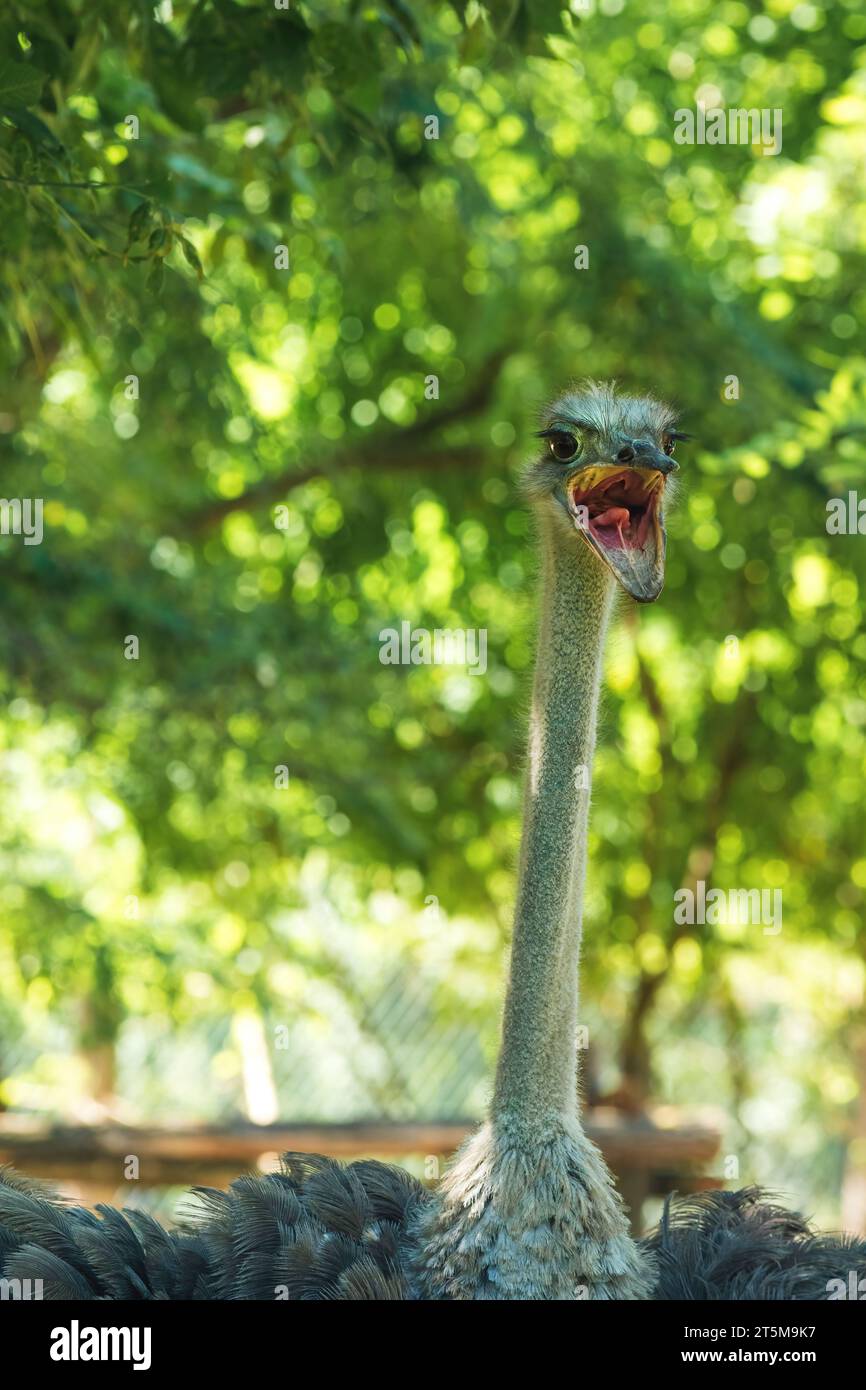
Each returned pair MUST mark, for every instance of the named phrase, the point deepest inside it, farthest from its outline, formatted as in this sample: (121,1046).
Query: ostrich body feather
(322,1230)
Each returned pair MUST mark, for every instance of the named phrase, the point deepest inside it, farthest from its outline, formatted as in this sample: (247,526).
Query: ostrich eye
(563,445)
(669,445)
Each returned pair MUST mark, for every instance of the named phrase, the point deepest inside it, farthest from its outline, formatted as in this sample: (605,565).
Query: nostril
(625,454)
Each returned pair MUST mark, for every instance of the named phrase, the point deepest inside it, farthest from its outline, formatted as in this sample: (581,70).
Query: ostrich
(528,1210)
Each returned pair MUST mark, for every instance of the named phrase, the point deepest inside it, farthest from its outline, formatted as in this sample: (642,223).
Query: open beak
(619,512)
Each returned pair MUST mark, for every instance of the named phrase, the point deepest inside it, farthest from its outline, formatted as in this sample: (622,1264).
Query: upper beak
(656,458)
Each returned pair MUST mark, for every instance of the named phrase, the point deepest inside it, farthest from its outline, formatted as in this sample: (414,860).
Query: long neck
(536,1082)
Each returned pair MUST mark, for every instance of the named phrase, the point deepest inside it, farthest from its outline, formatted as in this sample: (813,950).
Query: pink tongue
(614,516)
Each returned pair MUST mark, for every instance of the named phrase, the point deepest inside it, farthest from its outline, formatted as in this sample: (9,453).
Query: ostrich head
(603,473)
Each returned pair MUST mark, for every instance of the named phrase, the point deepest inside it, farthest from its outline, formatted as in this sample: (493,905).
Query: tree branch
(272,489)
(392,454)
(97,184)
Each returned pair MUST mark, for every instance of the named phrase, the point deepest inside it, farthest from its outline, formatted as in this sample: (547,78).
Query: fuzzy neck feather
(536,1083)
(528,1210)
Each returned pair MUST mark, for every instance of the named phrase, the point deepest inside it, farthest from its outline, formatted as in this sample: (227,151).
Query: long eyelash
(558,429)
(678,434)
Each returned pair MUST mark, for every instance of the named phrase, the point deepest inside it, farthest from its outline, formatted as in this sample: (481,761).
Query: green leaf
(192,256)
(138,222)
(36,130)
(20,84)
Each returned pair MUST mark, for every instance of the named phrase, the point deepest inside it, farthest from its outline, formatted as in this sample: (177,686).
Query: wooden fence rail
(647,1159)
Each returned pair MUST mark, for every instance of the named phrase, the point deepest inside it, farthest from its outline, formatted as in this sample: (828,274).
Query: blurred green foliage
(241,467)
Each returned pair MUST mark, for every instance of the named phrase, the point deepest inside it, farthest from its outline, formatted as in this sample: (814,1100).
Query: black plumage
(318,1229)
(106,1254)
(741,1245)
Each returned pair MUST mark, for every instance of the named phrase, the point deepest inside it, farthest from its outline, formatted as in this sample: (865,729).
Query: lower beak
(641,571)
(619,513)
